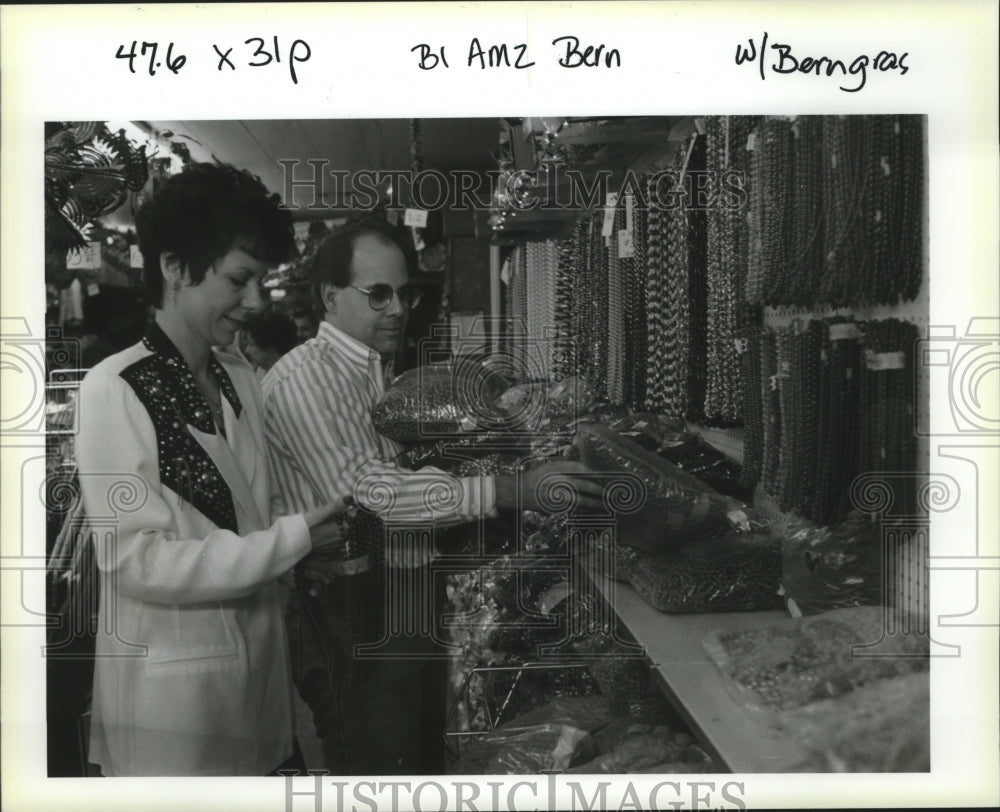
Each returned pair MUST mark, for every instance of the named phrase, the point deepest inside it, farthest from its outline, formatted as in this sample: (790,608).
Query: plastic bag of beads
(674,505)
(567,401)
(708,464)
(514,691)
(524,751)
(643,751)
(801,660)
(607,557)
(621,673)
(587,713)
(451,452)
(437,400)
(652,431)
(826,568)
(490,465)
(731,573)
(881,727)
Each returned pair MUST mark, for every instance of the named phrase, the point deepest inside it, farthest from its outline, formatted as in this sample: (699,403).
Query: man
(318,403)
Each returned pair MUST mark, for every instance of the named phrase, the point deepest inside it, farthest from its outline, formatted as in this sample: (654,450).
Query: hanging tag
(773,380)
(134,256)
(629,211)
(833,159)
(610,204)
(822,355)
(793,608)
(884,161)
(392,217)
(505,272)
(418,241)
(752,142)
(699,125)
(626,248)
(85,258)
(93,289)
(882,361)
(742,344)
(878,216)
(796,127)
(416,218)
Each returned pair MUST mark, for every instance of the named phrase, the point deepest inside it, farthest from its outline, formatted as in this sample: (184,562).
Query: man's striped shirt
(318,402)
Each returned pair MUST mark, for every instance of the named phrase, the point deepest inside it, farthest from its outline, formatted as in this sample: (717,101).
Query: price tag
(629,211)
(626,247)
(392,217)
(86,258)
(607,229)
(752,142)
(134,256)
(418,241)
(416,218)
(881,361)
(93,289)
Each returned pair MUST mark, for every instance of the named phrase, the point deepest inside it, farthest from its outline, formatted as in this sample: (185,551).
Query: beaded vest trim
(164,384)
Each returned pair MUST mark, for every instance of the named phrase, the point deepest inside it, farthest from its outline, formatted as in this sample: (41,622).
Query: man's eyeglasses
(380,296)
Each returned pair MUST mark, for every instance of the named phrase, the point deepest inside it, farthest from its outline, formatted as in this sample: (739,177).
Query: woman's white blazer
(192,673)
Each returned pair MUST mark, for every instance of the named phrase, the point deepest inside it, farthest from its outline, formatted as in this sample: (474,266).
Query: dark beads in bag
(731,573)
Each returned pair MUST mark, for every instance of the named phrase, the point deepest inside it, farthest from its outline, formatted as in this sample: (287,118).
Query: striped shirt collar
(358,352)
(353,350)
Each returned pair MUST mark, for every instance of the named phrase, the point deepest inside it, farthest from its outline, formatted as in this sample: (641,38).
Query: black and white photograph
(536,452)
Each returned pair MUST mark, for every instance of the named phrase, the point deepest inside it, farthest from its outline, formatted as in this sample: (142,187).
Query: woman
(192,674)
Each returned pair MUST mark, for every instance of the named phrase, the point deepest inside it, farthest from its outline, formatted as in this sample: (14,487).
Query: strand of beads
(726,270)
(599,327)
(774,142)
(697,308)
(749,343)
(808,346)
(805,211)
(771,409)
(563,362)
(909,270)
(616,314)
(888,439)
(635,315)
(838,419)
(677,322)
(656,314)
(790,415)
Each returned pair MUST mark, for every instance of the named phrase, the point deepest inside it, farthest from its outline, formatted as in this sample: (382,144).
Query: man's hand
(541,485)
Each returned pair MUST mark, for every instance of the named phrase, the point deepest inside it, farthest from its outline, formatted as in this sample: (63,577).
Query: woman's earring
(175,289)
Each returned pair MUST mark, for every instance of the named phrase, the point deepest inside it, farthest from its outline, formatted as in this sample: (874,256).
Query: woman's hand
(324,528)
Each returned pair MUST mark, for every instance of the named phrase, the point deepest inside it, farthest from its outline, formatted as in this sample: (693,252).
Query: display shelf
(693,684)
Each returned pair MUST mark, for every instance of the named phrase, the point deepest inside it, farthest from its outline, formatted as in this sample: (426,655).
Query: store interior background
(476,266)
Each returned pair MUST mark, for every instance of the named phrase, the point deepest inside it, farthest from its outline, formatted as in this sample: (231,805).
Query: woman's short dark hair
(331,265)
(271,330)
(203,212)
